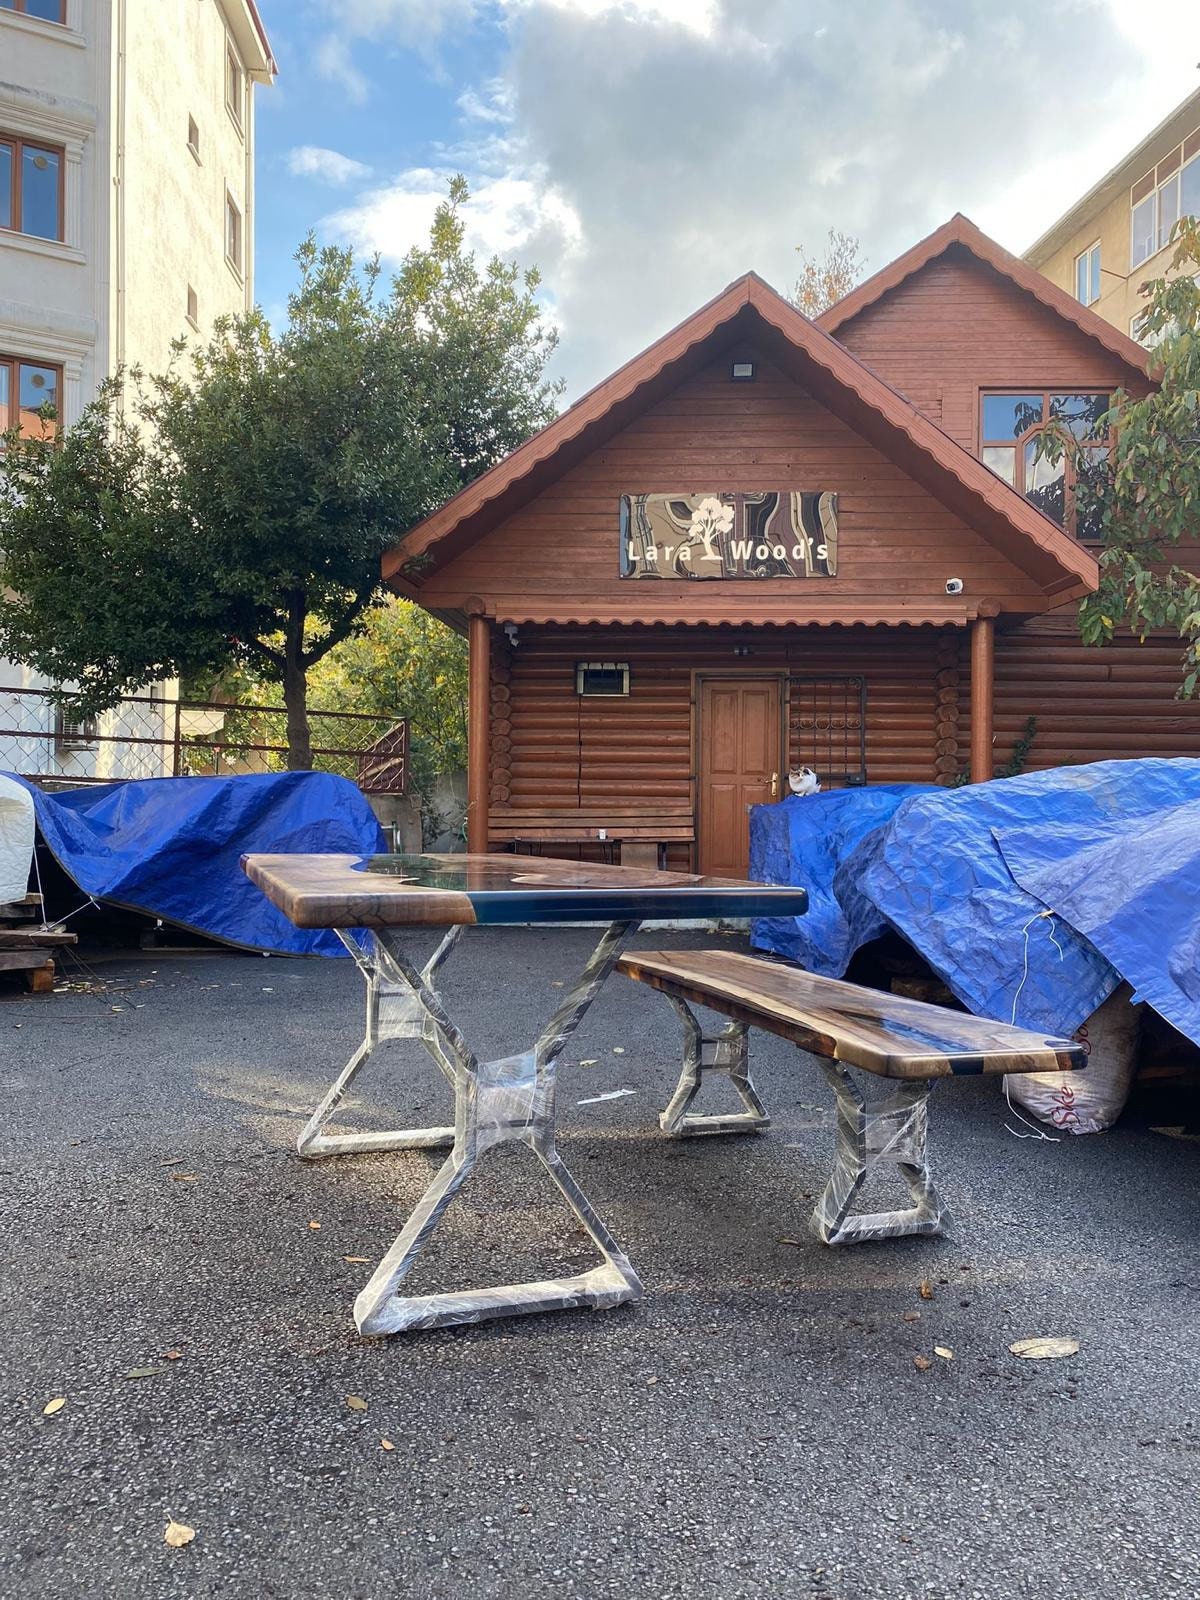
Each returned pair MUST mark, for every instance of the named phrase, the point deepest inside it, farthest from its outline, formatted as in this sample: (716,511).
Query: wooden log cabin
(768,542)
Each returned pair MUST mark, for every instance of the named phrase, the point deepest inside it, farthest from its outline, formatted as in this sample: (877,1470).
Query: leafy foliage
(232,511)
(1146,499)
(822,283)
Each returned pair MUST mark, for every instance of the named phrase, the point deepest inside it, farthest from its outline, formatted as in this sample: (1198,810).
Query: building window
(1008,435)
(235,83)
(47,10)
(194,137)
(193,308)
(25,387)
(602,679)
(1164,194)
(31,187)
(1087,275)
(233,234)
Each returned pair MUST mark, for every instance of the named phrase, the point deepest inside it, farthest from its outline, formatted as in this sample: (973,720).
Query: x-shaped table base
(507,1101)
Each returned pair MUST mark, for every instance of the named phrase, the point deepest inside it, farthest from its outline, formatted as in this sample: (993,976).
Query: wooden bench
(846,1026)
(643,832)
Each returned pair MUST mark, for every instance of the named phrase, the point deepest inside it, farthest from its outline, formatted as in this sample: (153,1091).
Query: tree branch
(343,630)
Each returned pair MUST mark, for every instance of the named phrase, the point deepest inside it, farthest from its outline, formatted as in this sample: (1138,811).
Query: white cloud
(645,152)
(332,60)
(327,166)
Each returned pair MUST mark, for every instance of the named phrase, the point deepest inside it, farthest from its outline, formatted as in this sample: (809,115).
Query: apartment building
(126,220)
(1105,247)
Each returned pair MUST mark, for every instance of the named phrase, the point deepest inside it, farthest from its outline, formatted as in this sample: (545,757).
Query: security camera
(954,586)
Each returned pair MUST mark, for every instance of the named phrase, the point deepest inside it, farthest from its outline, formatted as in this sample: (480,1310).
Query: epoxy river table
(510,1100)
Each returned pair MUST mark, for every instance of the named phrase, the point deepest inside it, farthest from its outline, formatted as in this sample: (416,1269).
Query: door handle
(774,786)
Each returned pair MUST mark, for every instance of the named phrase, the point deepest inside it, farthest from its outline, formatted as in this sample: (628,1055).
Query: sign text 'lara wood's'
(769,534)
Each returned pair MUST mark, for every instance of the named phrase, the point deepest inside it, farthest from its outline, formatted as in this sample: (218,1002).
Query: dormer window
(1008,439)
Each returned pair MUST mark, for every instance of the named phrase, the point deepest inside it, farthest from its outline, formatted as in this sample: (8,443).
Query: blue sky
(645,152)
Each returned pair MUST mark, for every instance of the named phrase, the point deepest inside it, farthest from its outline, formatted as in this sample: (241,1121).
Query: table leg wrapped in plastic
(725,1052)
(507,1101)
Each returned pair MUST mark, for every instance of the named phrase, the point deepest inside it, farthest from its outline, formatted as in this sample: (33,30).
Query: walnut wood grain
(881,1033)
(345,891)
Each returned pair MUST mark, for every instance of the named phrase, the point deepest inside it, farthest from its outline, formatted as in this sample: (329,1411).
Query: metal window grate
(827,729)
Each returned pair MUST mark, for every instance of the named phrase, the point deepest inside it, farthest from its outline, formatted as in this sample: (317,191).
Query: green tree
(404,663)
(1144,499)
(232,511)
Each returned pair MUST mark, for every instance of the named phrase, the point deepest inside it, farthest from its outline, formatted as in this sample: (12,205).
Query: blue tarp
(1133,891)
(964,875)
(172,847)
(803,840)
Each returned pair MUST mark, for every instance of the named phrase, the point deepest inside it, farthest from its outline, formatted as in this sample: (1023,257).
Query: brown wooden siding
(897,543)
(957,326)
(550,748)
(1091,704)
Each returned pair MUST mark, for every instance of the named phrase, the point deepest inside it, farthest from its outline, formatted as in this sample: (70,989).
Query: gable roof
(962,231)
(749,307)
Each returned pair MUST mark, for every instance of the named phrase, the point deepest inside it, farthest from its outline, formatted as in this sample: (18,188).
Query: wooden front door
(741,741)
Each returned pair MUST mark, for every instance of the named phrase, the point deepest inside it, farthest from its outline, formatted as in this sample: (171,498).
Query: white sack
(1091,1100)
(17,828)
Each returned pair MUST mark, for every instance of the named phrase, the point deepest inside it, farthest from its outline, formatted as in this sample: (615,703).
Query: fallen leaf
(144,1372)
(912,1316)
(925,1289)
(941,1350)
(618,1049)
(172,1355)
(922,1363)
(178,1534)
(358,1261)
(590,1062)
(52,1407)
(1044,1349)
(386,1444)
(792,1241)
(557,984)
(173,1161)
(315,1226)
(183,1177)
(356,1402)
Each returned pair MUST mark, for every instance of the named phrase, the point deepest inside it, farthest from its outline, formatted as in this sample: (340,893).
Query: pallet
(29,949)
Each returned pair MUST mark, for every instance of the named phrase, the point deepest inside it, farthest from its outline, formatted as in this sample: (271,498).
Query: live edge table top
(346,891)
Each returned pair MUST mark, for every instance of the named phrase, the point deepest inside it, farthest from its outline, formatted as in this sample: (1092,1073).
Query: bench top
(882,1033)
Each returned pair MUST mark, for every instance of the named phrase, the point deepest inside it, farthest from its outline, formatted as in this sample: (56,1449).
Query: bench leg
(890,1132)
(712,1052)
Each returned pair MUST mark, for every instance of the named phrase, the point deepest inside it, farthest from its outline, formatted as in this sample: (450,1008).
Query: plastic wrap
(891,1131)
(509,1100)
(17,832)
(725,1052)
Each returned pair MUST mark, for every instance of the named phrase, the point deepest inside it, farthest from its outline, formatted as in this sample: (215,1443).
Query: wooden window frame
(18,9)
(13,364)
(236,263)
(193,144)
(193,308)
(19,143)
(1018,443)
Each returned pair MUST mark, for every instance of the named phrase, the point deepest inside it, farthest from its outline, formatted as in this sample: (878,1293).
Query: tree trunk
(295,695)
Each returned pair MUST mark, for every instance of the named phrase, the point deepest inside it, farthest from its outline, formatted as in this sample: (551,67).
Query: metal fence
(152,736)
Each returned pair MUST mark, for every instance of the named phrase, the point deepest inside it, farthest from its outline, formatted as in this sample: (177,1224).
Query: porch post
(479,695)
(983,656)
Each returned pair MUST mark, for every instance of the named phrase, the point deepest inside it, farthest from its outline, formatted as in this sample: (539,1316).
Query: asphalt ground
(756,1426)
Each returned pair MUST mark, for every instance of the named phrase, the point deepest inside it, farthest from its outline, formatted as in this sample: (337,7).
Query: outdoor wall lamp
(510,633)
(742,372)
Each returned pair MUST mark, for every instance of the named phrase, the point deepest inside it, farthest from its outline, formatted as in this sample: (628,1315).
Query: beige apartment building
(126,220)
(1106,246)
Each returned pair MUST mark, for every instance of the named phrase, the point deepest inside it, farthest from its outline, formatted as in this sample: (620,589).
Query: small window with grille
(72,732)
(602,678)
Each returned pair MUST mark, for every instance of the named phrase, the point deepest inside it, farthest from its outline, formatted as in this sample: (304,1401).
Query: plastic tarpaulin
(939,873)
(1133,891)
(172,847)
(803,840)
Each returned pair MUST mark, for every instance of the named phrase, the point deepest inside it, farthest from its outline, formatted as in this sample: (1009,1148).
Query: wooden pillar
(479,711)
(983,674)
